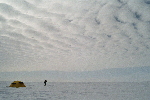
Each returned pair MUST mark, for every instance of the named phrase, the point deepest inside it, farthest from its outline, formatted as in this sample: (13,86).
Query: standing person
(45,82)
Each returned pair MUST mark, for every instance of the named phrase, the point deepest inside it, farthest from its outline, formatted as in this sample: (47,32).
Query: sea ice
(77,91)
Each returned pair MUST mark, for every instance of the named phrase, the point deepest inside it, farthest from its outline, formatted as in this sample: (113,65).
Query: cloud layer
(134,74)
(74,35)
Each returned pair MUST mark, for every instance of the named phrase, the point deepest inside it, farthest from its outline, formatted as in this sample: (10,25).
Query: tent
(17,84)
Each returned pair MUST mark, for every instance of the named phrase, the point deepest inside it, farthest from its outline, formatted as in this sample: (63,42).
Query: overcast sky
(74,35)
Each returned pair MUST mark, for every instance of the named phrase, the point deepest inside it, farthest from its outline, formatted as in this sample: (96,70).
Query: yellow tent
(17,84)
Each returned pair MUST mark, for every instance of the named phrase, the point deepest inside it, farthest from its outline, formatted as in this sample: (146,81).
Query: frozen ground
(77,91)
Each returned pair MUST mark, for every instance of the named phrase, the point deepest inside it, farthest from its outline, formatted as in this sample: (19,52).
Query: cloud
(8,10)
(74,35)
(133,74)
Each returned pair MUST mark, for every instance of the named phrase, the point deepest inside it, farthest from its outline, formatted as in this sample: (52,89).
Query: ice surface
(77,91)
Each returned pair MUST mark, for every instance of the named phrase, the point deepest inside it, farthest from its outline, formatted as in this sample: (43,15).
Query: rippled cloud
(74,35)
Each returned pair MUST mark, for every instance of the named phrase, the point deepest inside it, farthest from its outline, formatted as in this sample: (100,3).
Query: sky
(74,36)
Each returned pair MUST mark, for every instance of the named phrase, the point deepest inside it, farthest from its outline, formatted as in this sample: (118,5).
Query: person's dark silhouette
(45,82)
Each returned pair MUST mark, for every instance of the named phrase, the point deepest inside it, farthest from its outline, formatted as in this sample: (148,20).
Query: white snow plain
(77,91)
